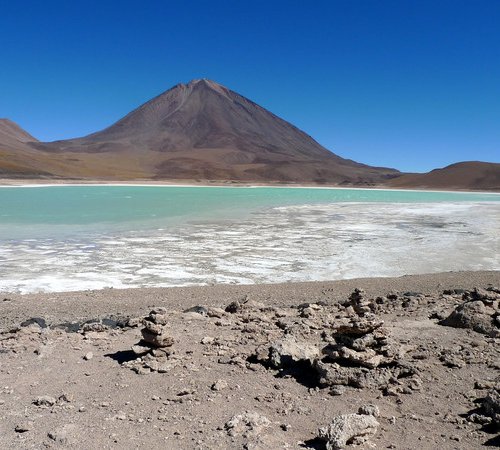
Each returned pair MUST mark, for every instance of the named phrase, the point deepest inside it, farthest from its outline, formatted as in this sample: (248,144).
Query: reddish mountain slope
(469,175)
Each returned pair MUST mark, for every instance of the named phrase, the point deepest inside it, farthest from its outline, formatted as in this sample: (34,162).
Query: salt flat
(92,238)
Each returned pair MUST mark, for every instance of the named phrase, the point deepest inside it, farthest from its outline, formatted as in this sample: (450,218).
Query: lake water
(59,238)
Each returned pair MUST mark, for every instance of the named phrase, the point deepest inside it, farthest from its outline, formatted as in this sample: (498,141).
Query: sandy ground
(217,385)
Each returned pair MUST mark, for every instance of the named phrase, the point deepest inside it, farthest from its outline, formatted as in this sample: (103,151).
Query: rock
(219,385)
(65,398)
(153,350)
(155,332)
(479,418)
(94,326)
(368,358)
(61,434)
(337,390)
(215,312)
(88,356)
(287,351)
(23,427)
(44,400)
(359,303)
(369,410)
(35,321)
(247,423)
(357,326)
(244,305)
(348,429)
(452,360)
(141,348)
(157,340)
(478,313)
(134,322)
(491,405)
(233,307)
(489,295)
(202,310)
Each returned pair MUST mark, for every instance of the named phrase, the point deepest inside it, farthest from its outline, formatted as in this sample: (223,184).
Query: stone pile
(154,353)
(359,352)
(361,355)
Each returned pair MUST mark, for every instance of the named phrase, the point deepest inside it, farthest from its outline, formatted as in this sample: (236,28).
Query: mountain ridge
(473,175)
(200,130)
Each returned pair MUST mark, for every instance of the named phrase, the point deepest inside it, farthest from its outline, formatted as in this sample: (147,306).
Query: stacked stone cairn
(360,353)
(154,349)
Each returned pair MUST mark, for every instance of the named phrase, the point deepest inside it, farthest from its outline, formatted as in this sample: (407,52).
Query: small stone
(348,428)
(140,349)
(369,410)
(88,356)
(59,435)
(45,400)
(23,427)
(65,398)
(337,390)
(249,423)
(219,385)
(186,391)
(199,309)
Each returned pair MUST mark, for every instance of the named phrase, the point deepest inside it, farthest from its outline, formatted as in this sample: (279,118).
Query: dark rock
(35,321)
(202,310)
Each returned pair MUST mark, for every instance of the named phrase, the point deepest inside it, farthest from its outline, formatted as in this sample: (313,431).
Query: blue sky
(411,84)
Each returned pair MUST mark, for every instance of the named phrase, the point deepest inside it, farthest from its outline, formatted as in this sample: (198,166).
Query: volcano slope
(197,131)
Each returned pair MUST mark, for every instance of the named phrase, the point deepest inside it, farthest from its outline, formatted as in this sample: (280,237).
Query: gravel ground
(247,368)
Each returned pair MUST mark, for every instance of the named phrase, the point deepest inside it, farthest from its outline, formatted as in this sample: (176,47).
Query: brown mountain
(12,133)
(468,175)
(200,130)
(14,150)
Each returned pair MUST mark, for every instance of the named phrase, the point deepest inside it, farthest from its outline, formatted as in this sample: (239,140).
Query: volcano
(202,131)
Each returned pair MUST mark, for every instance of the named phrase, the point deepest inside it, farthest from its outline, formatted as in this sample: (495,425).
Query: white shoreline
(240,186)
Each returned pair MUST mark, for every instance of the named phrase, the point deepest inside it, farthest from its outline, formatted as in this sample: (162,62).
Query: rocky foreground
(400,370)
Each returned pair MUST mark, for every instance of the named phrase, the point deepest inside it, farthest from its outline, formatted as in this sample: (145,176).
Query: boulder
(288,350)
(478,315)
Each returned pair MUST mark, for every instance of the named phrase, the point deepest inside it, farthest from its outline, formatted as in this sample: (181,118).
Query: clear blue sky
(411,84)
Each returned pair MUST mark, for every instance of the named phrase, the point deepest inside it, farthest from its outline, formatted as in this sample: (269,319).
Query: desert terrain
(401,363)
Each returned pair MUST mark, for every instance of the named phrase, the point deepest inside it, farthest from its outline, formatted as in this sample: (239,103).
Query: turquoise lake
(87,237)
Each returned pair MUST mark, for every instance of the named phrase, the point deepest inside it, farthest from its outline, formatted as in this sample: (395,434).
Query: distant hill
(15,153)
(469,175)
(200,130)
